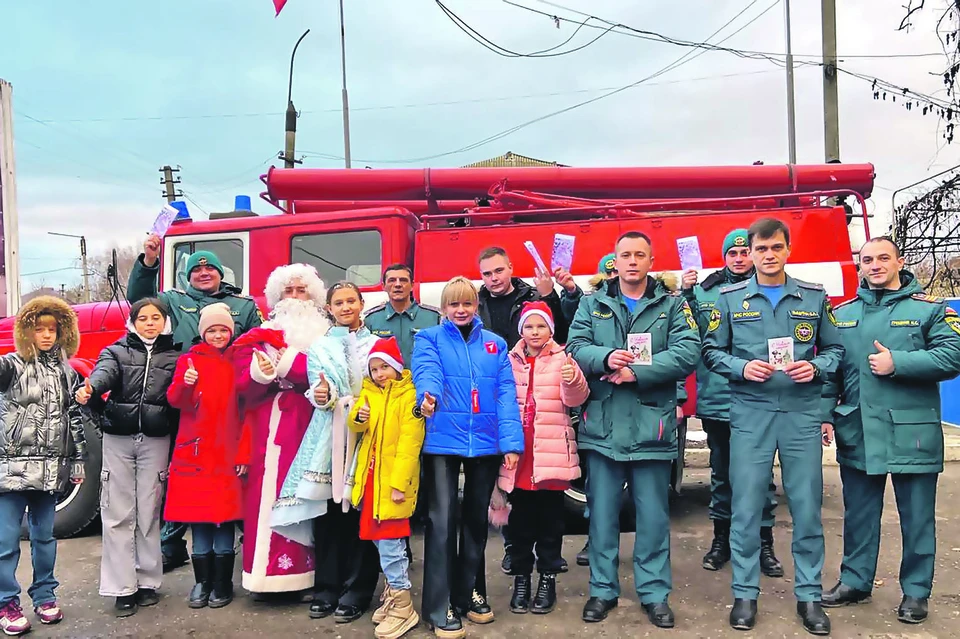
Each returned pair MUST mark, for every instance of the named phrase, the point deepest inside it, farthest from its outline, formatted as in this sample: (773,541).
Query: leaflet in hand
(689,250)
(640,346)
(536,256)
(562,256)
(164,220)
(781,352)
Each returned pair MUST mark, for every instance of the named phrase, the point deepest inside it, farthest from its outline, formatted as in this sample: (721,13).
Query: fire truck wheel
(79,507)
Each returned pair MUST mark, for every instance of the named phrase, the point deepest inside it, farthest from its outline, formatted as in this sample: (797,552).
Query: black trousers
(453,568)
(536,525)
(347,567)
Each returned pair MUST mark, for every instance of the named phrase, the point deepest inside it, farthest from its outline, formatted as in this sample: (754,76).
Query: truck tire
(79,507)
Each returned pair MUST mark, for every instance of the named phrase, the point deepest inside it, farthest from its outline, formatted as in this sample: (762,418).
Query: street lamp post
(83,261)
(346,101)
(290,133)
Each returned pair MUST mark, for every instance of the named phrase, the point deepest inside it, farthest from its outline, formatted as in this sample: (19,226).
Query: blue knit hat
(608,264)
(736,237)
(204,258)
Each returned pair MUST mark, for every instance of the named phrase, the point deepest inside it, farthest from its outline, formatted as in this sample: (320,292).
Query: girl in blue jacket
(466,392)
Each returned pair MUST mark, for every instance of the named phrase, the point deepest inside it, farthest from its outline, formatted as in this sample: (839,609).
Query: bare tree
(101,282)
(927,230)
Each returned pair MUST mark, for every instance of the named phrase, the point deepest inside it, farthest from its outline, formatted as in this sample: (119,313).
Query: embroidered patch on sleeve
(688,314)
(715,319)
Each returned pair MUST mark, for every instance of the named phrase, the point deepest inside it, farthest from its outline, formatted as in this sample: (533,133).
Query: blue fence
(950,391)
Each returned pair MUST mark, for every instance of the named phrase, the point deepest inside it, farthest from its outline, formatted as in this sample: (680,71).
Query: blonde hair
(459,289)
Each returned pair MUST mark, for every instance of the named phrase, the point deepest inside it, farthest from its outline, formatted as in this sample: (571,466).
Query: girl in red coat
(204,487)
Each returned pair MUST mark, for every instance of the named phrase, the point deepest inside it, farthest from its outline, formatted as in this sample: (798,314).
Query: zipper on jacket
(473,389)
(379,449)
(143,390)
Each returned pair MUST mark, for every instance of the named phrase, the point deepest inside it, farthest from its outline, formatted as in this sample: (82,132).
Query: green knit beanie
(736,237)
(204,258)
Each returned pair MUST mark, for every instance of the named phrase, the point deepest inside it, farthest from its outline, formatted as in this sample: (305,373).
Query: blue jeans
(214,538)
(394,562)
(43,547)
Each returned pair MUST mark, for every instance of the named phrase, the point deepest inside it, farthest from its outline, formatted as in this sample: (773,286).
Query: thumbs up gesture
(83,393)
(364,413)
(881,362)
(429,405)
(569,370)
(266,366)
(321,394)
(191,376)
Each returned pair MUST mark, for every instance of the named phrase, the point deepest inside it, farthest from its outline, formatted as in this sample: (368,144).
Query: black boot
(203,573)
(841,595)
(769,564)
(597,609)
(719,553)
(912,610)
(583,557)
(126,606)
(222,580)
(520,601)
(815,620)
(546,598)
(660,614)
(743,616)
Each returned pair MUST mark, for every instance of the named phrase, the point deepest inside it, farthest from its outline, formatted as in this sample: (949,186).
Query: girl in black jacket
(137,424)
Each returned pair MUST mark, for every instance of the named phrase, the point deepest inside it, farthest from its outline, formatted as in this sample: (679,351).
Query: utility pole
(791,108)
(346,101)
(170,183)
(290,128)
(831,107)
(83,261)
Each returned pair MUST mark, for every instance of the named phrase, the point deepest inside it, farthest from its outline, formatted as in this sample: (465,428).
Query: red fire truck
(349,224)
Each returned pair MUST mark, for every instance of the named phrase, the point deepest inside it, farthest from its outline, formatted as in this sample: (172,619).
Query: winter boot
(769,564)
(222,580)
(386,602)
(719,553)
(520,602)
(546,598)
(203,573)
(401,617)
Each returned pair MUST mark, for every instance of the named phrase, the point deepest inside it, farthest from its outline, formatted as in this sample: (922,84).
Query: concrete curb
(698,455)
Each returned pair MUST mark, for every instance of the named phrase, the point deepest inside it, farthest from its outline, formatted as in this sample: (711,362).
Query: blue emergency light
(183,215)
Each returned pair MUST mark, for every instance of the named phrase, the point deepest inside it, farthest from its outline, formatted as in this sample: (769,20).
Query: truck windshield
(351,255)
(229,251)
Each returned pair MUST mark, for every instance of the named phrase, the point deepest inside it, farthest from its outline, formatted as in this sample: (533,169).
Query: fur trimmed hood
(68,331)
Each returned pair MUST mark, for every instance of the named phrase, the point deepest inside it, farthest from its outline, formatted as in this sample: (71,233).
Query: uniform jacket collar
(725,276)
(411,312)
(789,288)
(908,286)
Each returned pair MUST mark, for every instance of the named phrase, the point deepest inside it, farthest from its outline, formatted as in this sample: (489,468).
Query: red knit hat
(388,350)
(536,308)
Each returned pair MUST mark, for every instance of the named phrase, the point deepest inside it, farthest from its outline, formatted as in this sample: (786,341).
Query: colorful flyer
(780,351)
(689,250)
(641,346)
(562,256)
(535,254)
(164,220)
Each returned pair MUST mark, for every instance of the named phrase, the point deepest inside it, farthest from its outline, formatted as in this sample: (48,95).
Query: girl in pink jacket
(549,383)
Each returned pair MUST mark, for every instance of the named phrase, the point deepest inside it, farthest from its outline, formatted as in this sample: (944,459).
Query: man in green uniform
(401,317)
(884,406)
(713,409)
(205,273)
(773,337)
(634,340)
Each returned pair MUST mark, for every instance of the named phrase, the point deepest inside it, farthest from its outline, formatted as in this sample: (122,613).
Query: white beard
(302,322)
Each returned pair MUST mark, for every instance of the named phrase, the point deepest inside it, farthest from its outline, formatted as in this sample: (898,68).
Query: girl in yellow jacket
(388,477)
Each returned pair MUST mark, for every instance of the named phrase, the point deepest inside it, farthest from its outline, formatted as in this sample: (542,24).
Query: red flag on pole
(278,5)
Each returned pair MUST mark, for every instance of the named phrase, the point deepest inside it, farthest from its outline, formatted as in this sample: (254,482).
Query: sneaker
(49,613)
(12,621)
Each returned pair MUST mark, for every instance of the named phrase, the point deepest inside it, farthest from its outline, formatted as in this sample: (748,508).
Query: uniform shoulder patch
(432,309)
(374,309)
(739,286)
(845,302)
(688,315)
(923,297)
(715,319)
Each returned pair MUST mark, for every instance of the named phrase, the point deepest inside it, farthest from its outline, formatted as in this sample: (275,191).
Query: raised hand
(151,250)
(568,372)
(429,405)
(191,376)
(758,371)
(544,283)
(565,279)
(83,393)
(266,366)
(689,279)
(364,413)
(881,363)
(321,394)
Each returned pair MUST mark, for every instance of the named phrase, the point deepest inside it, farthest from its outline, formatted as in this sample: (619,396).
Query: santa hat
(388,350)
(536,308)
(215,315)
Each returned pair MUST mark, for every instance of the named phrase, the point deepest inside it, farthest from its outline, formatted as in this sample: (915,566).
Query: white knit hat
(216,315)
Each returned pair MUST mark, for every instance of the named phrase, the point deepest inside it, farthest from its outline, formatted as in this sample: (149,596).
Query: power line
(55,270)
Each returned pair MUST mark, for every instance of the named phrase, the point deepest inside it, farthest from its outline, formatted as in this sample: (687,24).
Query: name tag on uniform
(903,323)
(746,316)
(805,314)
(602,315)
(705,305)
(192,309)
(850,324)
(383,333)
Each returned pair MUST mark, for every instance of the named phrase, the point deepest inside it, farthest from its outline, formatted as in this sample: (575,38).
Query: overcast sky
(105,94)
